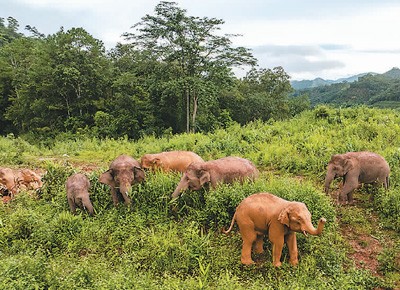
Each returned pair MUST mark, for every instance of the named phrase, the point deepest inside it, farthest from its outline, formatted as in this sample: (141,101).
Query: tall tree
(191,45)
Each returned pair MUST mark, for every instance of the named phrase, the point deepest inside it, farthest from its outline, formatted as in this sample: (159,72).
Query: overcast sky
(308,38)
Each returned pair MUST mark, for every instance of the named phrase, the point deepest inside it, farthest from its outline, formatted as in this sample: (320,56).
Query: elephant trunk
(125,187)
(182,185)
(328,180)
(88,205)
(315,231)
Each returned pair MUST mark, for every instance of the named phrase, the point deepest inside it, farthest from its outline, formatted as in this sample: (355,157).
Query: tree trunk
(195,100)
(187,111)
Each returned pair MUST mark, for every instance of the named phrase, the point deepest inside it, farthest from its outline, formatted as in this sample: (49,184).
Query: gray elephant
(223,170)
(355,168)
(123,173)
(77,187)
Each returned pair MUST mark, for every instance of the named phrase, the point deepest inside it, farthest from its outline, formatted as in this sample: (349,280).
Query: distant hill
(375,90)
(318,82)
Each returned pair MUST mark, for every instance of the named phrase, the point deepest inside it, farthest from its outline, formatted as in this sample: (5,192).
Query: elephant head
(194,178)
(297,217)
(338,166)
(122,178)
(149,161)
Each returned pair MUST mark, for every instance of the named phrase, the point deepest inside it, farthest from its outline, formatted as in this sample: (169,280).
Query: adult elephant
(223,170)
(123,173)
(355,168)
(8,182)
(170,160)
(264,213)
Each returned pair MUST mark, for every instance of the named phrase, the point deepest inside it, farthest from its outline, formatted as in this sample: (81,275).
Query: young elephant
(123,173)
(170,161)
(223,170)
(77,187)
(355,168)
(264,213)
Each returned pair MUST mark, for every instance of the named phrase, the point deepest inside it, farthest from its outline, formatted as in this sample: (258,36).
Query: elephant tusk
(305,233)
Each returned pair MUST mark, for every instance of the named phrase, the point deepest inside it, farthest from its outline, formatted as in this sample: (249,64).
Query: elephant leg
(114,196)
(346,195)
(258,245)
(72,205)
(292,246)
(248,237)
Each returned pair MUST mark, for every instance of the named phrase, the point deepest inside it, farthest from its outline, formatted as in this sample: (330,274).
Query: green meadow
(162,244)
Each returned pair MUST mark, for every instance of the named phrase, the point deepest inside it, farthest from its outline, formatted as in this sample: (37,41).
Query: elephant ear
(138,174)
(283,217)
(204,176)
(107,178)
(348,165)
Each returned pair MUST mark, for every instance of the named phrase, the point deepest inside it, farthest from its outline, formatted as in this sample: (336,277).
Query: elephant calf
(265,213)
(355,168)
(170,161)
(223,170)
(77,187)
(123,173)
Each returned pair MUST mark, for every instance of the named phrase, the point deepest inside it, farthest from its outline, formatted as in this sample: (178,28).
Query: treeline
(173,74)
(375,90)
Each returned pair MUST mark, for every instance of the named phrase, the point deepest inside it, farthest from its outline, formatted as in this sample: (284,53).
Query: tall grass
(159,243)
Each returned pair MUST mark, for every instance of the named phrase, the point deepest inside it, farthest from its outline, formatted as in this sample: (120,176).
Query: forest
(374,90)
(173,74)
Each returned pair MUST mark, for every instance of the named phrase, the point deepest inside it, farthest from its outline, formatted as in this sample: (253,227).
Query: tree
(190,44)
(10,32)
(262,94)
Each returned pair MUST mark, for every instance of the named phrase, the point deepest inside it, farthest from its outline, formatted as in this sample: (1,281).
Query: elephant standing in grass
(123,173)
(170,161)
(223,170)
(264,213)
(77,187)
(355,168)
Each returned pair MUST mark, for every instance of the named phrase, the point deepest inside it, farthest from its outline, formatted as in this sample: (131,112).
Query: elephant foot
(277,264)
(247,262)
(294,262)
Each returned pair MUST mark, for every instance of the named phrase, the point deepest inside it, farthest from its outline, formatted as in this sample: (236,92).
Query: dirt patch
(364,249)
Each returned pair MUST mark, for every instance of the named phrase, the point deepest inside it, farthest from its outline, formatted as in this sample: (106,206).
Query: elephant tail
(387,183)
(231,226)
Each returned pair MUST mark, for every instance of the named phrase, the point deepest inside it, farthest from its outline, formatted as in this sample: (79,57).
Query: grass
(157,243)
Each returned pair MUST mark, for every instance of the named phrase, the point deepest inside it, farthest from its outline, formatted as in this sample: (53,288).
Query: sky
(308,38)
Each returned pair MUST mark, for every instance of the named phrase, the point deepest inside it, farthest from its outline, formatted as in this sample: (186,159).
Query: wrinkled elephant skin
(265,213)
(77,187)
(170,161)
(123,173)
(356,168)
(223,170)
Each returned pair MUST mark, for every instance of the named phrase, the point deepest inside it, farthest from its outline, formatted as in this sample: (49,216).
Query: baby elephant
(77,187)
(264,213)
(223,170)
(355,168)
(170,161)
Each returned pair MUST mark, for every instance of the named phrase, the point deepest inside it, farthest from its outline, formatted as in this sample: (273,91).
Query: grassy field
(161,244)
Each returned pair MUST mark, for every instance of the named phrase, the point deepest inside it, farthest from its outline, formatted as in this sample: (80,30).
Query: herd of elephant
(257,215)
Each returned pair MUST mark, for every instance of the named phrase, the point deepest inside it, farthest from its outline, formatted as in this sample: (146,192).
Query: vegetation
(375,90)
(169,245)
(174,73)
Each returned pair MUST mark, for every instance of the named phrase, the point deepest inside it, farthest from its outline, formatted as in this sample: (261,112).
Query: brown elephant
(355,168)
(265,213)
(223,170)
(170,161)
(123,173)
(8,182)
(28,180)
(77,187)
(12,181)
